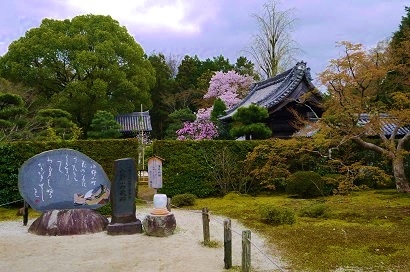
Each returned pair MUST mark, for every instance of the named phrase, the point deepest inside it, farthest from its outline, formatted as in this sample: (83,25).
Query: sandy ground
(182,251)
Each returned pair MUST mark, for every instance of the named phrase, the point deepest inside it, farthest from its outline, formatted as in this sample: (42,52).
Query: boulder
(69,222)
(159,225)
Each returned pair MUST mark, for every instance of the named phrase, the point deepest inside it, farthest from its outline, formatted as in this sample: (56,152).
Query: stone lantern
(160,222)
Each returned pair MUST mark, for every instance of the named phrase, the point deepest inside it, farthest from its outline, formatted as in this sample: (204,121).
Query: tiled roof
(134,122)
(271,93)
(387,122)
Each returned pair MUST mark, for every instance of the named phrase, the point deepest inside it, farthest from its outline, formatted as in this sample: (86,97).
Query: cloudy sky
(209,28)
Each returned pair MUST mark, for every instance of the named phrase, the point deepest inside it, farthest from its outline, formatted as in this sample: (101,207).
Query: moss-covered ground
(363,231)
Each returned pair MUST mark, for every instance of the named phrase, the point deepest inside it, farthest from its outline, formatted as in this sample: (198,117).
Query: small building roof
(134,122)
(388,124)
(274,93)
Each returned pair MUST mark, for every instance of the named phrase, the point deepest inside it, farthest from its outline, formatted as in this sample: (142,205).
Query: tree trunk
(402,184)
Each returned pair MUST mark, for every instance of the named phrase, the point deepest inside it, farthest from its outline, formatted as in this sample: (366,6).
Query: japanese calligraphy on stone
(63,179)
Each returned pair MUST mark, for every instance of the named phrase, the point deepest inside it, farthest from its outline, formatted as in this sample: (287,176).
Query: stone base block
(124,228)
(69,222)
(159,225)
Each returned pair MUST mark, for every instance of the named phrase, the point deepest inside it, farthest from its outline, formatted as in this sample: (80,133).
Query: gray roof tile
(134,122)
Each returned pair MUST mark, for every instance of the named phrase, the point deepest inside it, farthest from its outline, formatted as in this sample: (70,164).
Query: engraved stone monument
(65,185)
(63,179)
(123,220)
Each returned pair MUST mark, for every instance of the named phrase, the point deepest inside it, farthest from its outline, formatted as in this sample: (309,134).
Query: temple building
(134,123)
(284,95)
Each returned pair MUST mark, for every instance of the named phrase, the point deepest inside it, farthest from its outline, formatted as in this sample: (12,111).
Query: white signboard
(155,172)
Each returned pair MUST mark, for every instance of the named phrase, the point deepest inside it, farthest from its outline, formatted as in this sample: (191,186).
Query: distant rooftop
(388,124)
(134,122)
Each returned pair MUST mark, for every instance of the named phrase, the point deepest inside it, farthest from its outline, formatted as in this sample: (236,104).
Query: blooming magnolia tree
(231,88)
(200,129)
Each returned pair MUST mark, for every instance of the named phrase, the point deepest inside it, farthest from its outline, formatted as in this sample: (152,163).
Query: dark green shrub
(305,184)
(105,210)
(273,215)
(314,211)
(183,200)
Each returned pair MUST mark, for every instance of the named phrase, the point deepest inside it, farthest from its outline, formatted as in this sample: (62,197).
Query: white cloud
(143,14)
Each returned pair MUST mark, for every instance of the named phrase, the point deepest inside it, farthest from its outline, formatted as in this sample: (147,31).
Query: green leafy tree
(104,126)
(248,122)
(188,72)
(398,78)
(219,63)
(82,65)
(178,118)
(218,110)
(12,111)
(161,93)
(54,121)
(244,67)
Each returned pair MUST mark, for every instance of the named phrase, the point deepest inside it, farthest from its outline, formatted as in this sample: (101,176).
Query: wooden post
(205,225)
(169,204)
(25,214)
(227,243)
(246,251)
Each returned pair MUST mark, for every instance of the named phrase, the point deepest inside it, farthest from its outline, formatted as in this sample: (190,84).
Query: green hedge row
(14,154)
(202,168)
(192,166)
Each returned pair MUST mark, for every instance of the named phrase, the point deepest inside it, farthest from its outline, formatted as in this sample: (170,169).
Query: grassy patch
(10,214)
(212,244)
(366,230)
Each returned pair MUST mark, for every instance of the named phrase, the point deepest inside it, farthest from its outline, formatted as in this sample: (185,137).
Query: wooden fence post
(246,251)
(169,204)
(227,243)
(25,214)
(205,223)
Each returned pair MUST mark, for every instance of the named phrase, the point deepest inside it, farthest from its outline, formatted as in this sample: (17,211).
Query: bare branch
(273,48)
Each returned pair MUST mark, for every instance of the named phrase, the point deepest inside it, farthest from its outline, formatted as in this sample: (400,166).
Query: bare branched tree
(272,48)
(173,61)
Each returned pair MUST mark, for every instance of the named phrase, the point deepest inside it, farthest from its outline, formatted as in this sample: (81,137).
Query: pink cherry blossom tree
(231,88)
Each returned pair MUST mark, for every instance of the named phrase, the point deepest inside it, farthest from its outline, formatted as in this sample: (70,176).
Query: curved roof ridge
(295,77)
(272,91)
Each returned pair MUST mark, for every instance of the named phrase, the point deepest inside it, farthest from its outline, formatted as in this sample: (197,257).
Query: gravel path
(182,251)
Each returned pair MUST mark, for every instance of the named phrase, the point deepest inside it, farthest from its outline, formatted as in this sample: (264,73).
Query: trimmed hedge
(188,166)
(14,154)
(191,166)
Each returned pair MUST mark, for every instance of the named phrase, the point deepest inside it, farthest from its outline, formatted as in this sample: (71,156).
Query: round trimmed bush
(183,200)
(274,215)
(305,184)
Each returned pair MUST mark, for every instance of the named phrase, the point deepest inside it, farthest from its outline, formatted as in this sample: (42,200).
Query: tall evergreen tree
(104,126)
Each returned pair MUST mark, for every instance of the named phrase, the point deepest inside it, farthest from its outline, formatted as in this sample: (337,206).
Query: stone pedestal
(124,228)
(68,222)
(159,225)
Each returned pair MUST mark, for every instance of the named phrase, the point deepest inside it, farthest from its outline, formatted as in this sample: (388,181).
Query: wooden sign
(155,172)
